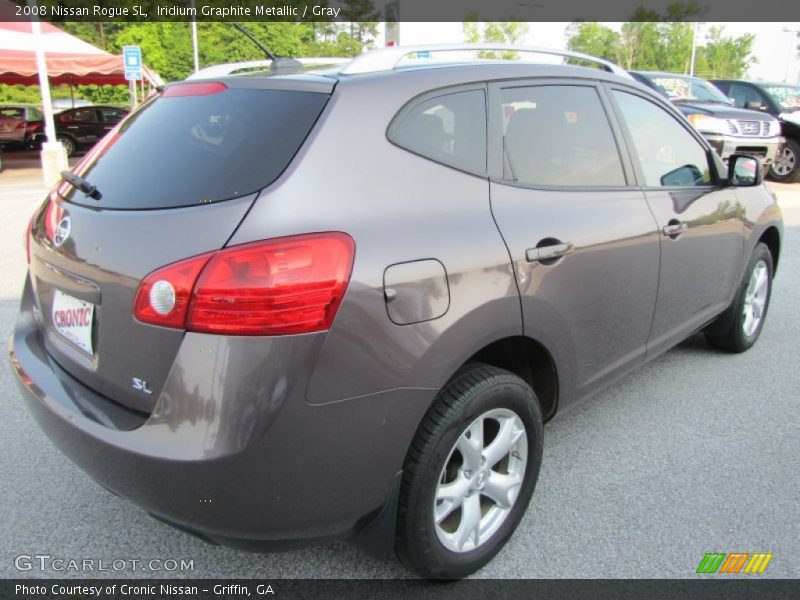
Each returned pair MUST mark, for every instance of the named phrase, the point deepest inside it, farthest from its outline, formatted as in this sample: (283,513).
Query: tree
(649,42)
(725,57)
(500,32)
(362,19)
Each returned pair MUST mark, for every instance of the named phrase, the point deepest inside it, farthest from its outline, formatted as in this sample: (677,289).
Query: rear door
(583,242)
(699,220)
(174,180)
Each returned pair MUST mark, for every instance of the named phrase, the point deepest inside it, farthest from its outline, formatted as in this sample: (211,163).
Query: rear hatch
(173,180)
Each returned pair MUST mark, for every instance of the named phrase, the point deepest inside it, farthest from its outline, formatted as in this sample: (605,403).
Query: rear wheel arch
(530,360)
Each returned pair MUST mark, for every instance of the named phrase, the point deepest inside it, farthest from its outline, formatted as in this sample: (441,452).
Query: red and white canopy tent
(69,59)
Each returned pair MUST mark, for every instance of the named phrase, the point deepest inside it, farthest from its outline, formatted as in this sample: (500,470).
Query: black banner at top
(401,10)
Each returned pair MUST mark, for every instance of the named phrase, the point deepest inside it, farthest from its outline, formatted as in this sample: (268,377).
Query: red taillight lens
(52,217)
(181,277)
(27,238)
(282,286)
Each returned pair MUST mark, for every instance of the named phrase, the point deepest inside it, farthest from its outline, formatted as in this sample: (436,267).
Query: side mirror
(755,105)
(744,171)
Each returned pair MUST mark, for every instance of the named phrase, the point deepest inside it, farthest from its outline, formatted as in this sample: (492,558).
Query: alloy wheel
(480,480)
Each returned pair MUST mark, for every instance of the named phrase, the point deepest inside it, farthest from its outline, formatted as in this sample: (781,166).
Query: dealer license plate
(72,319)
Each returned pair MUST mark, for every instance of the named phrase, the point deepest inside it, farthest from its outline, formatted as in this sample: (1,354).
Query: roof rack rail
(388,59)
(226,69)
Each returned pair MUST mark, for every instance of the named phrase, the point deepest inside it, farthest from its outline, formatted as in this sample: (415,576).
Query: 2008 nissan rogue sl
(275,310)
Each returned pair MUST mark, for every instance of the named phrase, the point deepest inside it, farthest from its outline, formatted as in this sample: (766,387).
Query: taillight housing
(275,287)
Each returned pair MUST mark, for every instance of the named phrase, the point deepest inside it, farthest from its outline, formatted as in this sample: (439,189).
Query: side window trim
(495,157)
(642,185)
(431,95)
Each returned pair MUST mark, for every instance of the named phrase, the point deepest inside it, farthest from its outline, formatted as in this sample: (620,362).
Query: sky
(774,49)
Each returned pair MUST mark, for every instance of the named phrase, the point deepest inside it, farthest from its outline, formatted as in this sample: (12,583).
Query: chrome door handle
(674,229)
(548,252)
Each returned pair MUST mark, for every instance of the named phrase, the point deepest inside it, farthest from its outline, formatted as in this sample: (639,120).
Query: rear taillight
(34,127)
(52,217)
(281,286)
(27,238)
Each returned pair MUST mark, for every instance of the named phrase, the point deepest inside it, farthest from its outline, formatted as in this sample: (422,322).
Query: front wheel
(786,166)
(469,474)
(749,309)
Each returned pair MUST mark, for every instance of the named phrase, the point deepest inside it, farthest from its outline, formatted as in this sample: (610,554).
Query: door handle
(544,253)
(674,228)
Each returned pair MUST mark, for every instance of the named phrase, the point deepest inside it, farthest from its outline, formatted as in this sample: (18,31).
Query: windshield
(12,112)
(679,88)
(788,96)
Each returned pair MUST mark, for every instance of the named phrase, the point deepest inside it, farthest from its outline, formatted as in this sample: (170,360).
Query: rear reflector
(275,287)
(193,89)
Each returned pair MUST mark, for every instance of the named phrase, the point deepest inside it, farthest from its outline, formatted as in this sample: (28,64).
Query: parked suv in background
(782,101)
(728,129)
(267,330)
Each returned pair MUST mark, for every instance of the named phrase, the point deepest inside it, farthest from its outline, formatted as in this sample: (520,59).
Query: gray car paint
(260,425)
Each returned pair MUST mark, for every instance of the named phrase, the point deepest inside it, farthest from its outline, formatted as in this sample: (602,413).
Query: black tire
(733,336)
(471,393)
(69,144)
(792,150)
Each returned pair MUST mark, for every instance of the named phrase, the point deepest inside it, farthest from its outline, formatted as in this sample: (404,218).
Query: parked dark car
(269,331)
(728,129)
(79,128)
(782,101)
(20,125)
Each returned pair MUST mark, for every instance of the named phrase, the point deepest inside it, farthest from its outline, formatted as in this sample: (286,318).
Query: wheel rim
(755,298)
(785,162)
(480,480)
(68,145)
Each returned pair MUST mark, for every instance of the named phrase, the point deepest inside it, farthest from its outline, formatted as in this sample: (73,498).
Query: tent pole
(54,156)
(72,90)
(195,53)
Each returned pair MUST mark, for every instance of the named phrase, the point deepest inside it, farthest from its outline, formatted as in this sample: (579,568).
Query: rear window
(450,129)
(11,112)
(187,150)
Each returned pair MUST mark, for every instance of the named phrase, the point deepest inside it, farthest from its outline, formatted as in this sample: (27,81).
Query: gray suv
(278,310)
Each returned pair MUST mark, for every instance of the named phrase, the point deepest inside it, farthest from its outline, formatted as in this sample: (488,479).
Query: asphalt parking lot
(696,452)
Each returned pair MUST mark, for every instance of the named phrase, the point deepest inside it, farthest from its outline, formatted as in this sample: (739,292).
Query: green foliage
(167,46)
(499,32)
(650,42)
(103,94)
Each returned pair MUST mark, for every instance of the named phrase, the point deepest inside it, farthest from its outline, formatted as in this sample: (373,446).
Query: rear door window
(450,129)
(558,135)
(185,150)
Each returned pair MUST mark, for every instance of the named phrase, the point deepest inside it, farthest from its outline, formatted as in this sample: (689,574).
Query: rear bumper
(232,451)
(764,148)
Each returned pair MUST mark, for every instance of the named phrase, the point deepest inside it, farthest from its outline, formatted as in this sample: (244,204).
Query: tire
(786,166)
(741,332)
(500,401)
(68,143)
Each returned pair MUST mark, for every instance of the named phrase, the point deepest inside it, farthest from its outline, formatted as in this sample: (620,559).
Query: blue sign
(423,54)
(132,57)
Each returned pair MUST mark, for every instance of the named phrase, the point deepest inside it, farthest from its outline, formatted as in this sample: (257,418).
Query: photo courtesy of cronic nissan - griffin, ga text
(341,302)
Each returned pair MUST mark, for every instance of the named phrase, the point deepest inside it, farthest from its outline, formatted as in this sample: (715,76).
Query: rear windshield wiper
(80,183)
